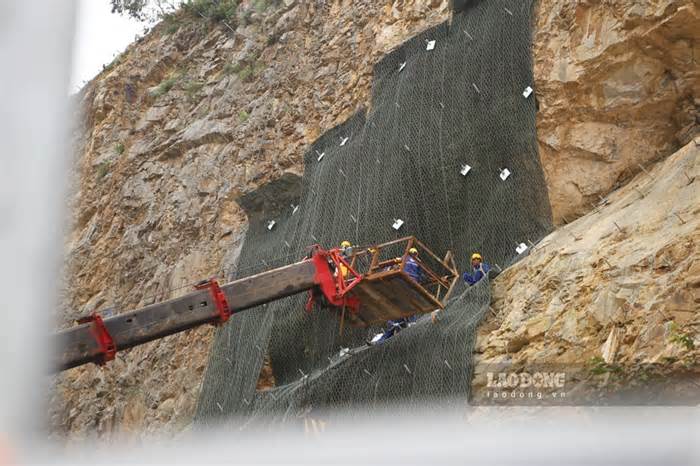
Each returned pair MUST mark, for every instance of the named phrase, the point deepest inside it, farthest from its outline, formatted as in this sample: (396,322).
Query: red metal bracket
(335,286)
(219,299)
(104,340)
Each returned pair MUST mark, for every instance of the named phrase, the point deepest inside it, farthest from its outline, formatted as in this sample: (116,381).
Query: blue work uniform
(412,268)
(395,326)
(479,272)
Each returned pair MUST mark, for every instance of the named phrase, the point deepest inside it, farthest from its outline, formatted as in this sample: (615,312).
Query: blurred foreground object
(35,47)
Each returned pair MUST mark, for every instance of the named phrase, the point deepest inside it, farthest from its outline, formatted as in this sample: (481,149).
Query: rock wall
(617,292)
(192,116)
(618,85)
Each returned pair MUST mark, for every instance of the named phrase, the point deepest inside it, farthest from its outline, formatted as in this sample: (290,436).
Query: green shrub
(224,11)
(598,366)
(260,5)
(103,169)
(247,17)
(231,68)
(250,71)
(172,27)
(119,148)
(243,116)
(246,72)
(681,338)
(116,61)
(216,10)
(684,340)
(273,38)
(172,20)
(165,86)
(192,88)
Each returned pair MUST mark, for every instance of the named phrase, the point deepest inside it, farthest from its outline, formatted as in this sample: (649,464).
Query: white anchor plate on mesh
(527,92)
(431,45)
(398,223)
(271,224)
(505,173)
(465,170)
(522,247)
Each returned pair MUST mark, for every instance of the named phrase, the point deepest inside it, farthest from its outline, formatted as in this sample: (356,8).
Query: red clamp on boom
(219,298)
(104,340)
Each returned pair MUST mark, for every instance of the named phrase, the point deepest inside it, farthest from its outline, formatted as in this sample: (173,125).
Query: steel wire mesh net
(447,120)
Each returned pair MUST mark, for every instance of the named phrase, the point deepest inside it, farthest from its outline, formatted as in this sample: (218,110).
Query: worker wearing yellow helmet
(346,249)
(346,252)
(412,267)
(479,270)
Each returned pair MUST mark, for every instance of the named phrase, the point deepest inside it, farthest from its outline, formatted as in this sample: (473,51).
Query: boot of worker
(393,327)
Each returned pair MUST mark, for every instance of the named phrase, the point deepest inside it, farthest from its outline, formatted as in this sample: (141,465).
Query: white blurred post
(35,55)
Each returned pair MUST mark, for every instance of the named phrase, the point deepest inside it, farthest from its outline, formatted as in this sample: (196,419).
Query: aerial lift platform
(384,291)
(374,289)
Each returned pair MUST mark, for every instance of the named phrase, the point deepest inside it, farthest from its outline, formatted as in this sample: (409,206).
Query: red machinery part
(104,340)
(335,287)
(219,299)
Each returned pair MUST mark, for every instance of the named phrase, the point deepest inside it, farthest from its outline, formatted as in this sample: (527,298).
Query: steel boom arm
(78,345)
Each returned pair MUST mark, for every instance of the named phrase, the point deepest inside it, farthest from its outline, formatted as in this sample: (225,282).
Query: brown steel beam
(77,345)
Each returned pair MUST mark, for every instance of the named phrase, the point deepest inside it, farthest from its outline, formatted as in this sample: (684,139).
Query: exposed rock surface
(617,291)
(619,86)
(192,116)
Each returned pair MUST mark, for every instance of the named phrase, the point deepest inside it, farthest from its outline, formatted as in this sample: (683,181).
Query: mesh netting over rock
(436,107)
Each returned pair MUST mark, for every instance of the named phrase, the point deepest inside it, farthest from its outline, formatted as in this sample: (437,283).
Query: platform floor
(391,295)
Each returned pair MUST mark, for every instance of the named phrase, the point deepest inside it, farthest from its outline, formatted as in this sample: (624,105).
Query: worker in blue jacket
(479,270)
(412,267)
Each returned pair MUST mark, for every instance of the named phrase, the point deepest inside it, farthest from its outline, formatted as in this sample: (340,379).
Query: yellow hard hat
(413,251)
(345,244)
(476,255)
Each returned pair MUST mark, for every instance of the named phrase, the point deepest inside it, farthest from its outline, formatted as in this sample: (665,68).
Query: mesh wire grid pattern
(432,112)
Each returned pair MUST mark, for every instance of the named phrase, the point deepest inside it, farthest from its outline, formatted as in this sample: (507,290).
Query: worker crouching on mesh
(412,268)
(479,270)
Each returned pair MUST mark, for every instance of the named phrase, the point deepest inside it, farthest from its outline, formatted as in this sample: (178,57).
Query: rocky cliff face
(618,85)
(617,292)
(194,115)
